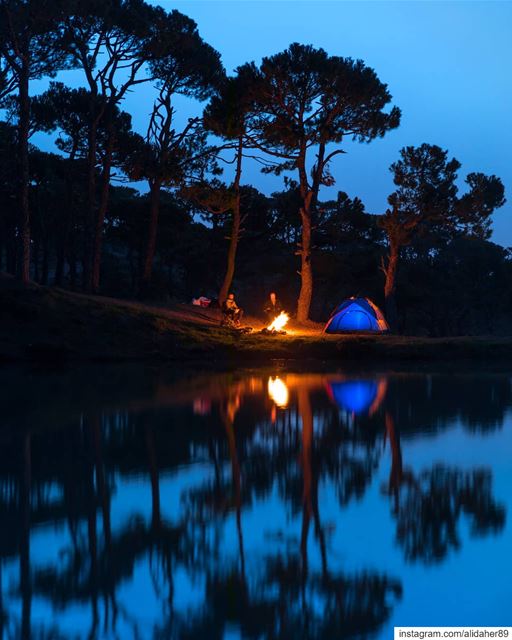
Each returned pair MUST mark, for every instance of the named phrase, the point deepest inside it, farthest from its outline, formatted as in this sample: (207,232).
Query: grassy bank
(46,324)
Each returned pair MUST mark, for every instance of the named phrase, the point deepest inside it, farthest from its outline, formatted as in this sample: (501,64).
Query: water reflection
(278,391)
(217,506)
(359,395)
(428,505)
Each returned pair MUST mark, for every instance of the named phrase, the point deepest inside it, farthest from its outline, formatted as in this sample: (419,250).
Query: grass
(48,324)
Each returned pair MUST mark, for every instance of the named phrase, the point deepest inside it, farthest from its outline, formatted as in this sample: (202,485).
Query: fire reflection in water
(278,392)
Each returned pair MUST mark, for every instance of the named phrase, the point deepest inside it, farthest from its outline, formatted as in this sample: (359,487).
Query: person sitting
(231,312)
(272,308)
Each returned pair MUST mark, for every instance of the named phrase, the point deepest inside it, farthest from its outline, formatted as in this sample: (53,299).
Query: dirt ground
(211,317)
(49,325)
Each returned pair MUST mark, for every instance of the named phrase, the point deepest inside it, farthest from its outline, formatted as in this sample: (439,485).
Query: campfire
(278,324)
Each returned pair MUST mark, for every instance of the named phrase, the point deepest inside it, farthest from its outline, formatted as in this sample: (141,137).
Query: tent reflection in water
(359,395)
(357,315)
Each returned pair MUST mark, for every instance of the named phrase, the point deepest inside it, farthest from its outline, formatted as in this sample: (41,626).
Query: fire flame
(278,391)
(279,322)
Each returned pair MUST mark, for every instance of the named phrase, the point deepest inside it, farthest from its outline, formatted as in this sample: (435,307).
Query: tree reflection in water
(320,442)
(429,505)
(285,598)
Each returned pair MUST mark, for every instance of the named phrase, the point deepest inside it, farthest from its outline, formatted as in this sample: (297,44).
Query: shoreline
(49,325)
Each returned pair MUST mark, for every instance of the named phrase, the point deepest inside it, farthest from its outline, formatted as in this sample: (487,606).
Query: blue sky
(447,65)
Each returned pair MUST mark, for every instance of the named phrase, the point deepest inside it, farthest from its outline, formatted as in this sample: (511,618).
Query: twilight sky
(447,65)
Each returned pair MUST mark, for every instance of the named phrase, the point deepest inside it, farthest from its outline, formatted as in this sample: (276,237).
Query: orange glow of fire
(278,391)
(279,322)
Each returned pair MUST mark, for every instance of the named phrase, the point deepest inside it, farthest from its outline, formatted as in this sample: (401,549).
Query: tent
(357,314)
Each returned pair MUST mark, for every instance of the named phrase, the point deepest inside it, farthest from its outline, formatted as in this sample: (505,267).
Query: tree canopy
(190,222)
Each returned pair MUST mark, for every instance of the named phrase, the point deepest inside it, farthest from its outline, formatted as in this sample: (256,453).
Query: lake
(145,503)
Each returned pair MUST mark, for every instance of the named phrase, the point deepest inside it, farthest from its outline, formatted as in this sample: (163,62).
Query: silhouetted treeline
(64,220)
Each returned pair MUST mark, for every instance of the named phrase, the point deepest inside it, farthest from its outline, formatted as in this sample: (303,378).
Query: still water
(137,503)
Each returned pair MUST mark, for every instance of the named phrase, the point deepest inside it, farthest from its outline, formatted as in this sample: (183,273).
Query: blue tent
(357,315)
(355,396)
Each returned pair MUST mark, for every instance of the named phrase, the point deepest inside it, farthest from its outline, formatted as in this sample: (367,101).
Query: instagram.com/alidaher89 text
(420,633)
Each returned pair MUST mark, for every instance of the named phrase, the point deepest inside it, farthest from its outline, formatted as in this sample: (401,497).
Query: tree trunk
(72,268)
(156,518)
(235,228)
(23,132)
(308,216)
(62,246)
(45,265)
(228,418)
(390,286)
(306,414)
(155,187)
(101,482)
(306,272)
(231,258)
(59,265)
(318,172)
(102,211)
(35,258)
(25,508)
(91,201)
(92,533)
(396,473)
(11,250)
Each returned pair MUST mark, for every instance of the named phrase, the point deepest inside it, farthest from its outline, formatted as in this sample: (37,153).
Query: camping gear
(202,301)
(357,315)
